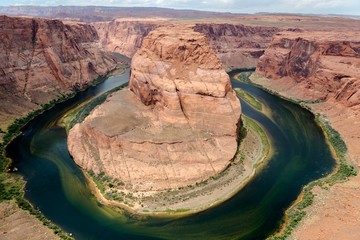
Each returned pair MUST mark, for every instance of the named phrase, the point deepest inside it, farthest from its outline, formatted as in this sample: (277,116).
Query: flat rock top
(318,36)
(123,115)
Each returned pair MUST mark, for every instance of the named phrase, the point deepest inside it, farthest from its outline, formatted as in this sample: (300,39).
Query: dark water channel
(57,187)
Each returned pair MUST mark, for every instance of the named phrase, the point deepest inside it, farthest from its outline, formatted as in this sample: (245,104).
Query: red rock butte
(176,124)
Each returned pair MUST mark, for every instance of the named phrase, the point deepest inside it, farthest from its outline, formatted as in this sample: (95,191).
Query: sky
(347,7)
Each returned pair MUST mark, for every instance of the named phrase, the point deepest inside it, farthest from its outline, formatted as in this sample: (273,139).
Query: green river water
(57,187)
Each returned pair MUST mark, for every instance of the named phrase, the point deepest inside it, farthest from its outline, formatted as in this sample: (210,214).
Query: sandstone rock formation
(124,35)
(41,60)
(177,123)
(235,45)
(320,65)
(322,68)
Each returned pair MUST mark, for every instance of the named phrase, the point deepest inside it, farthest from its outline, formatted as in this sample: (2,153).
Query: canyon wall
(124,36)
(41,60)
(236,45)
(322,69)
(176,125)
(322,66)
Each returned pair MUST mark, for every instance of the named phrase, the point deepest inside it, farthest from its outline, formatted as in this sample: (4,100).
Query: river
(58,188)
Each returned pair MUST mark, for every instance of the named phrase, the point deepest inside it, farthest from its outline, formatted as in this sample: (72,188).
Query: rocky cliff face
(41,60)
(124,36)
(235,45)
(322,65)
(177,123)
(323,70)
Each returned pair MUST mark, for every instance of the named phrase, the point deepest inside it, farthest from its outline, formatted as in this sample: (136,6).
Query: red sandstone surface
(41,60)
(301,63)
(321,68)
(177,123)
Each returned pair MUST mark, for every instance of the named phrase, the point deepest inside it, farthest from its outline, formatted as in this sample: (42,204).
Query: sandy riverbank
(252,154)
(16,223)
(335,211)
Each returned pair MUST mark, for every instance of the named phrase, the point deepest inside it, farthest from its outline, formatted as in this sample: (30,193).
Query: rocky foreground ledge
(176,124)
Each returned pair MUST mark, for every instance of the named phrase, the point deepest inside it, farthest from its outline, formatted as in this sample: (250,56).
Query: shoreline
(200,196)
(296,215)
(7,169)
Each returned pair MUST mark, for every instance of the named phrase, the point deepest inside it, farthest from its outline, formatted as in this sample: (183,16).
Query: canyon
(42,60)
(180,107)
(236,45)
(312,60)
(321,70)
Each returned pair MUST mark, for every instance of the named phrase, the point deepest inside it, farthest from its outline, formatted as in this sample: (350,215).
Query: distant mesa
(176,124)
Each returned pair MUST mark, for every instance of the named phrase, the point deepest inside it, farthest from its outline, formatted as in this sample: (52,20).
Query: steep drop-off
(321,65)
(124,36)
(176,125)
(236,45)
(322,69)
(41,60)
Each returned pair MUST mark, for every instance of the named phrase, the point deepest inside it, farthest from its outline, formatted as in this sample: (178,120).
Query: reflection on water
(58,188)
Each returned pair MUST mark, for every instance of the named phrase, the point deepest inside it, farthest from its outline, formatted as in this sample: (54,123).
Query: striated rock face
(322,69)
(124,36)
(176,125)
(40,60)
(237,45)
(322,65)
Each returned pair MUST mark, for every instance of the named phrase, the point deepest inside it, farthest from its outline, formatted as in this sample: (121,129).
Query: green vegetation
(344,170)
(342,173)
(250,99)
(244,75)
(333,136)
(108,187)
(261,133)
(11,186)
(79,114)
(180,210)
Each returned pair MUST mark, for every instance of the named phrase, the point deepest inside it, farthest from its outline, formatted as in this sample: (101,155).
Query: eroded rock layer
(322,69)
(177,123)
(124,36)
(41,60)
(236,45)
(320,65)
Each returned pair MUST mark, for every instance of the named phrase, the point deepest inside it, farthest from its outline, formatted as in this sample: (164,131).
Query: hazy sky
(236,6)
